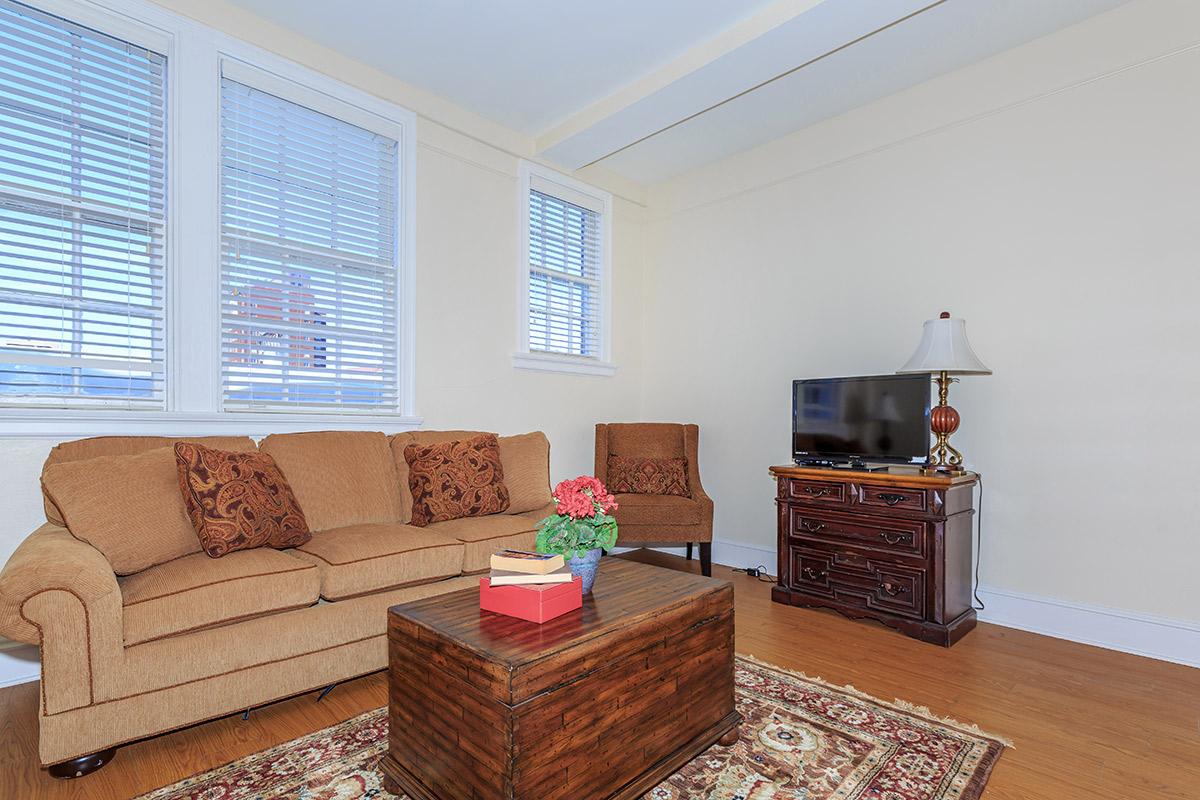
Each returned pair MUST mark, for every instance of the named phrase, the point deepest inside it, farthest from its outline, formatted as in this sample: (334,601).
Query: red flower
(583,497)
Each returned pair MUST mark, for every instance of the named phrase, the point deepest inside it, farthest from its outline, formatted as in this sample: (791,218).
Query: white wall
(1048,195)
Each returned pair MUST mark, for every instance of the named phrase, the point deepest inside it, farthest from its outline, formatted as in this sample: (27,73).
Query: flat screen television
(880,418)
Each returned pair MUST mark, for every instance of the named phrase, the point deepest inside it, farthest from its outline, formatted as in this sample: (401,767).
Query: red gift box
(534,602)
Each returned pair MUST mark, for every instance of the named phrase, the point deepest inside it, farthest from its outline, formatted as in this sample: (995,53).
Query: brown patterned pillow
(449,480)
(238,501)
(630,475)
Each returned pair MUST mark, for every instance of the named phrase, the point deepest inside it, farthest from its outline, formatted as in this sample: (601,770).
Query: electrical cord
(759,572)
(979,545)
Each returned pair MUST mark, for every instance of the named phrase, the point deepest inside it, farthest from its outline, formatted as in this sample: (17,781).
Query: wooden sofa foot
(706,559)
(689,551)
(84,765)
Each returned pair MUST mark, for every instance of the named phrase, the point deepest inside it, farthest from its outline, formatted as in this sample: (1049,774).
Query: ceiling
(653,88)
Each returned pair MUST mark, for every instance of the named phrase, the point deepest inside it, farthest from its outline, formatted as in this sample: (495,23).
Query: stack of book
(532,586)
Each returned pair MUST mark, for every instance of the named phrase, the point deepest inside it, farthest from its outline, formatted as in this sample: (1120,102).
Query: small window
(564,269)
(309,294)
(82,215)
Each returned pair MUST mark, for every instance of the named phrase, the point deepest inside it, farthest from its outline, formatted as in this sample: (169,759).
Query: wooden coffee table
(603,702)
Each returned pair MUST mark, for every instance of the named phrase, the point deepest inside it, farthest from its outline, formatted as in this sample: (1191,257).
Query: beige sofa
(131,656)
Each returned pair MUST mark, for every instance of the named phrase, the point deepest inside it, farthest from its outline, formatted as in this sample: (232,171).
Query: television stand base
(854,466)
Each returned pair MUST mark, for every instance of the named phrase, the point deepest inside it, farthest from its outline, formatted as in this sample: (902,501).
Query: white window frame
(524,358)
(195,55)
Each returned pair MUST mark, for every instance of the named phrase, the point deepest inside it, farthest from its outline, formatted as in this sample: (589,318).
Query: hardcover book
(526,562)
(501,577)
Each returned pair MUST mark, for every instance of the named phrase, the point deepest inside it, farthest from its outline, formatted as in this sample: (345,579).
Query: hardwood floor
(1087,723)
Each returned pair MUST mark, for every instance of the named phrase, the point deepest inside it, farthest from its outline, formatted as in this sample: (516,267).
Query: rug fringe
(898,704)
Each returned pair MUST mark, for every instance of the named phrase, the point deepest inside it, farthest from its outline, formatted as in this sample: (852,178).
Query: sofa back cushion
(96,446)
(455,479)
(237,501)
(526,460)
(128,507)
(339,478)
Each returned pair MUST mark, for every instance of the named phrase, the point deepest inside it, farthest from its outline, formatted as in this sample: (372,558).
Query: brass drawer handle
(896,538)
(809,525)
(891,499)
(892,589)
(817,491)
(813,574)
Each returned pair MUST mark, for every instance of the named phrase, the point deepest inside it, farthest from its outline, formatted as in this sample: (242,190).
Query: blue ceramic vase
(585,567)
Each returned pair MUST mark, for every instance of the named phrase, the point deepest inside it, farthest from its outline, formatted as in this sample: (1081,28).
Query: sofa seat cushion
(649,509)
(196,591)
(482,536)
(360,559)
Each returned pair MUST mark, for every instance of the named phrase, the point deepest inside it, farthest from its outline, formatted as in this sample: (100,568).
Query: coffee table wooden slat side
(603,705)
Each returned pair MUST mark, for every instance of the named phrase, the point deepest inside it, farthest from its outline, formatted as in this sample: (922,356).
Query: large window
(308,258)
(196,235)
(564,271)
(82,215)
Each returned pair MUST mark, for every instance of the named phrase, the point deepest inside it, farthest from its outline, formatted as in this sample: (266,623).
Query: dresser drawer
(899,589)
(858,580)
(885,497)
(810,571)
(825,493)
(899,536)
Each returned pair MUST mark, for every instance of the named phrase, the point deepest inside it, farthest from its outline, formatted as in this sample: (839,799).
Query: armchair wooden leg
(706,559)
(689,551)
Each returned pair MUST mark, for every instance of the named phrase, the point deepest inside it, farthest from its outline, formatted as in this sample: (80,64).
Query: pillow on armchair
(663,476)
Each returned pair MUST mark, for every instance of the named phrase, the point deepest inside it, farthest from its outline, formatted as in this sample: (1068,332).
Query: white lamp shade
(944,348)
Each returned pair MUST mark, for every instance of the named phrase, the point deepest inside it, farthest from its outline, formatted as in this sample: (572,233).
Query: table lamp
(945,351)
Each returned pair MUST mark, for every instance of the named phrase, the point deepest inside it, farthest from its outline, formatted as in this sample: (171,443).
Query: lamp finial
(944,315)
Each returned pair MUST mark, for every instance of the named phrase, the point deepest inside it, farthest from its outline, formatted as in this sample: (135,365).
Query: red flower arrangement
(582,520)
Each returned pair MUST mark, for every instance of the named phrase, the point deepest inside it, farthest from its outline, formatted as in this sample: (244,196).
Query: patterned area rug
(802,739)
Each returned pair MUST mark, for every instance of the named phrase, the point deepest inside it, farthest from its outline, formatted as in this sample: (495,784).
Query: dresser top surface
(898,475)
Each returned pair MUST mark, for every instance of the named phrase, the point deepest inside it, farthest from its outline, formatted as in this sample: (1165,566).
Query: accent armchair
(682,517)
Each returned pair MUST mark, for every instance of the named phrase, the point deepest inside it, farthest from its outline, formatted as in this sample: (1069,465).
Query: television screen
(874,418)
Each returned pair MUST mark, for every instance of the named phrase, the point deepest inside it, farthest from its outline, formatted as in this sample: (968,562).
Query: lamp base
(944,469)
(943,421)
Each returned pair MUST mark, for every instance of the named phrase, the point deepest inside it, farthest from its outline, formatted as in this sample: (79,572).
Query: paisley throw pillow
(630,475)
(450,480)
(238,501)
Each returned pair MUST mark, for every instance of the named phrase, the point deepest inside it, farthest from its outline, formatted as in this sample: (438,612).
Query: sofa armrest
(61,593)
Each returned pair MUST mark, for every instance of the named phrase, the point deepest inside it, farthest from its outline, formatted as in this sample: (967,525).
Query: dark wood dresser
(891,546)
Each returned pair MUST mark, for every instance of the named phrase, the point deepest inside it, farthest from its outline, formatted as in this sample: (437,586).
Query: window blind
(82,215)
(564,276)
(308,258)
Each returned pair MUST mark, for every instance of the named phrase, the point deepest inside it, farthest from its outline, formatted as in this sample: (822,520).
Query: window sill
(68,423)
(552,362)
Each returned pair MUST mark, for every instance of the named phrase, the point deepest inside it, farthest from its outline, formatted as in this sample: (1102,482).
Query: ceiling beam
(777,41)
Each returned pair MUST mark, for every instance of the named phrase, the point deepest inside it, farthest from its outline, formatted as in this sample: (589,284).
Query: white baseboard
(1114,629)
(19,663)
(1133,632)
